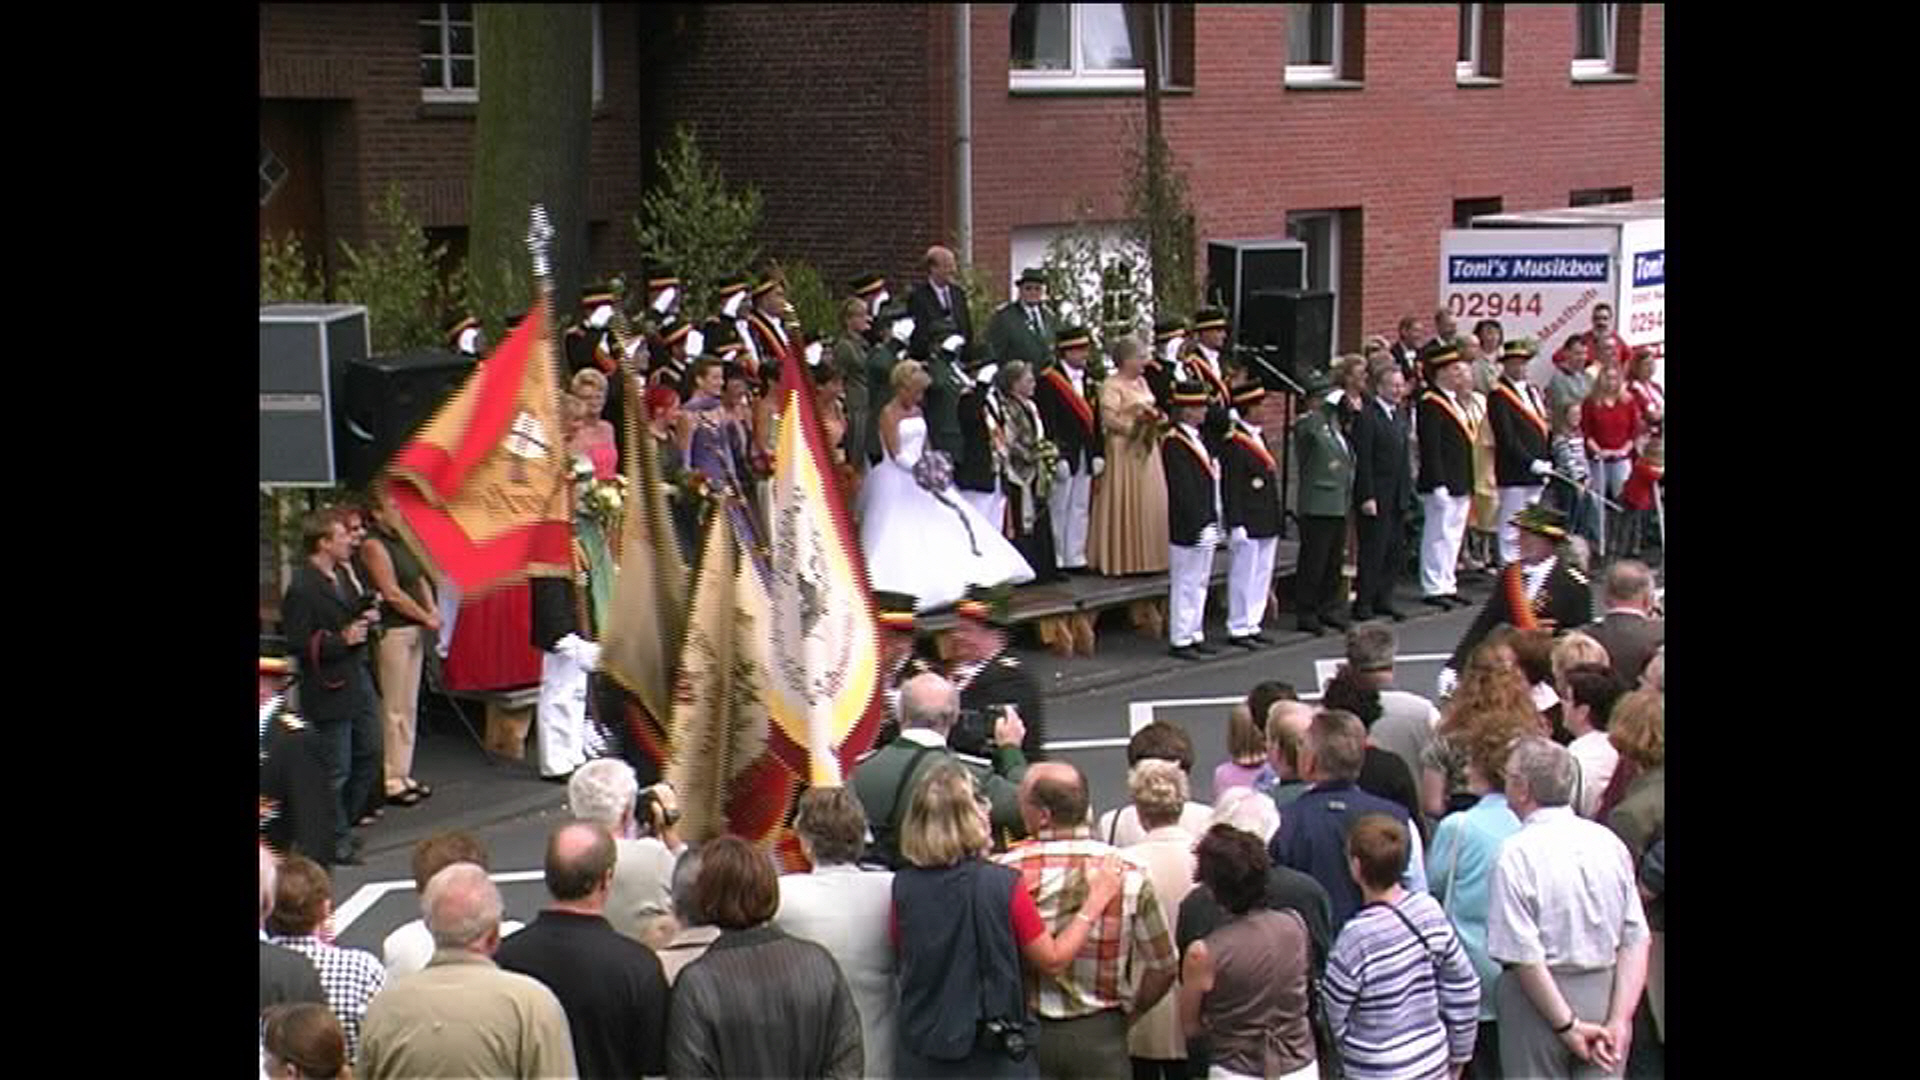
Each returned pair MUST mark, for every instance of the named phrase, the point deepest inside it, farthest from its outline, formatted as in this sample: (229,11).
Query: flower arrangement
(934,471)
(1150,426)
(1046,457)
(602,501)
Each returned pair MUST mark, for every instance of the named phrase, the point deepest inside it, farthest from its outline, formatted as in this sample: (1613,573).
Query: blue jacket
(1313,839)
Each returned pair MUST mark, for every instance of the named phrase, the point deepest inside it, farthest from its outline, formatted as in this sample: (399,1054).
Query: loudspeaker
(387,399)
(304,353)
(1236,269)
(1293,327)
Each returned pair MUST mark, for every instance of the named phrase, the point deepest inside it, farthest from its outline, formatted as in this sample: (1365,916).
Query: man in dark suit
(1022,329)
(987,673)
(1169,344)
(1406,351)
(1522,454)
(1446,432)
(896,329)
(1193,522)
(942,403)
(1326,491)
(976,471)
(1542,591)
(1250,505)
(938,297)
(1069,402)
(327,621)
(1628,631)
(1382,486)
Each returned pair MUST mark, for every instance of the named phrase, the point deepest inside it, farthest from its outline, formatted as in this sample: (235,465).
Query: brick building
(1364,129)
(354,97)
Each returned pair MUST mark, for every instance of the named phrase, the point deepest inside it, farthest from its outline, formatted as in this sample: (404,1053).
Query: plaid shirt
(349,976)
(1126,942)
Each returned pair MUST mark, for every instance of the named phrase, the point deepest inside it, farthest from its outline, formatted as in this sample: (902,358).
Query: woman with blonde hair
(1610,421)
(1127,526)
(962,926)
(595,438)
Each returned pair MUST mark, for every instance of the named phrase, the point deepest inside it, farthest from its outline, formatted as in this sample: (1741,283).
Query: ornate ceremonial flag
(647,617)
(825,660)
(722,767)
(483,488)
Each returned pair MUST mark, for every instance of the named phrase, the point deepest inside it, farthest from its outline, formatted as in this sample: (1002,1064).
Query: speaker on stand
(387,398)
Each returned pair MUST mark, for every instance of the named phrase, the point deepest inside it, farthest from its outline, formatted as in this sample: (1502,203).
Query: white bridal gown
(915,543)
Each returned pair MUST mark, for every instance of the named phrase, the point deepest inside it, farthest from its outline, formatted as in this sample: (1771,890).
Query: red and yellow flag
(823,673)
(483,487)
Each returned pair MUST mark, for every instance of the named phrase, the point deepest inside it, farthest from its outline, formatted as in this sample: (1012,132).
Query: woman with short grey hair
(1159,789)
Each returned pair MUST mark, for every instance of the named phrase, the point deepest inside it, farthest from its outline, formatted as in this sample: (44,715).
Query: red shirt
(1611,427)
(1024,913)
(1637,494)
(1596,354)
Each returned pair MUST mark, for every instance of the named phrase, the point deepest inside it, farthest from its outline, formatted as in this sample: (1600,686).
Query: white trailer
(1541,273)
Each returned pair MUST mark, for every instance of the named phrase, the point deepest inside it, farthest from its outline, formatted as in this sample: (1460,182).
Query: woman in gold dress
(1128,530)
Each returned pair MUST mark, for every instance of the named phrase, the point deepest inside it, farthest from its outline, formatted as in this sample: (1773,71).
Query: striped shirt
(1399,1008)
(1127,940)
(349,976)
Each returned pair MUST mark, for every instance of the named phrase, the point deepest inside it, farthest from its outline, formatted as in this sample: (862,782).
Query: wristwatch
(1572,1019)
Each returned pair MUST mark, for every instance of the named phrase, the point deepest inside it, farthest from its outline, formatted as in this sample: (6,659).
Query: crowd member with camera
(646,841)
(327,620)
(988,675)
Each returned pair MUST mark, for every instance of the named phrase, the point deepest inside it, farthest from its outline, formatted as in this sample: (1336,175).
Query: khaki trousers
(401,656)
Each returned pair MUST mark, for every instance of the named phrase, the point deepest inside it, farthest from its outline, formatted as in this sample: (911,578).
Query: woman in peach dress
(1127,533)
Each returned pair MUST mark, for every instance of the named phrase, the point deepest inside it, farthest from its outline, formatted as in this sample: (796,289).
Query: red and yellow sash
(1466,426)
(1074,401)
(1256,448)
(1197,451)
(1526,408)
(1199,362)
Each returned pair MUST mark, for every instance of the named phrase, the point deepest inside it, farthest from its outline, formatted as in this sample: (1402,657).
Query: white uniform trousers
(561,732)
(1512,501)
(1070,503)
(991,504)
(1189,570)
(1444,527)
(448,594)
(1249,583)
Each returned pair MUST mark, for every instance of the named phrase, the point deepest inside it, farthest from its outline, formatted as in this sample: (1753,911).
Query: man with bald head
(929,707)
(463,1016)
(611,986)
(938,298)
(1287,723)
(1085,1011)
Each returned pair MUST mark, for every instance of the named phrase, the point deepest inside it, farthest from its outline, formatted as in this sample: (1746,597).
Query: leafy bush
(399,280)
(287,274)
(816,305)
(1163,224)
(693,225)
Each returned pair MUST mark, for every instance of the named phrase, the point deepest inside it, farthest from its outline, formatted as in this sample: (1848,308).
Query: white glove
(665,300)
(1099,465)
(1540,468)
(1443,492)
(601,316)
(1210,536)
(1238,536)
(1448,681)
(696,343)
(731,309)
(903,329)
(1062,472)
(584,653)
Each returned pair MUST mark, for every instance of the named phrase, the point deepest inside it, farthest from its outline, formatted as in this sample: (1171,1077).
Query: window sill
(1326,84)
(1605,77)
(449,110)
(1474,81)
(1065,89)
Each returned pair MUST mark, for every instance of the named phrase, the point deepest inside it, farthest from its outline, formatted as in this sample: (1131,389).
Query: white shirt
(1121,827)
(1563,895)
(1386,408)
(1597,758)
(1536,575)
(847,911)
(1079,377)
(408,949)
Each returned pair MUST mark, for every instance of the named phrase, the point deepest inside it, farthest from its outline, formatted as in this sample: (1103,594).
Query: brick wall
(828,111)
(1399,150)
(365,58)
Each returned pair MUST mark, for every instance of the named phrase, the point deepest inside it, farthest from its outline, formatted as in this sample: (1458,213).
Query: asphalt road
(1093,705)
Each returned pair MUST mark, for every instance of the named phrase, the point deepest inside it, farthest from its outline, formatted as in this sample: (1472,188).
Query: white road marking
(1087,744)
(1141,713)
(369,894)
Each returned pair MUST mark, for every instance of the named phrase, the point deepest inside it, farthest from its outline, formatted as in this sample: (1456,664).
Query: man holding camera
(988,674)
(327,620)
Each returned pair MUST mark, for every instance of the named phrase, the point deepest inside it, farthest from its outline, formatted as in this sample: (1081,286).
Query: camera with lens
(1011,1037)
(644,813)
(972,733)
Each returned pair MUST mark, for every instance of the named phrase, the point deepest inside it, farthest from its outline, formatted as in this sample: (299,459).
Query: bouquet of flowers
(934,471)
(1046,458)
(602,501)
(1150,425)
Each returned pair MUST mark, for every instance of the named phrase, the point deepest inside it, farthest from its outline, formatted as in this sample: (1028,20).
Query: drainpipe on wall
(963,130)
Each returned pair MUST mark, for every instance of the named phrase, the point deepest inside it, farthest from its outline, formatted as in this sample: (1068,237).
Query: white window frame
(1332,283)
(1610,41)
(1307,74)
(444,93)
(269,160)
(1473,67)
(1076,78)
(1027,246)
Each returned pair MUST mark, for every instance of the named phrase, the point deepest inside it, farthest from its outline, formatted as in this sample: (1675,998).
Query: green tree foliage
(287,274)
(1093,285)
(399,281)
(1161,221)
(818,308)
(695,226)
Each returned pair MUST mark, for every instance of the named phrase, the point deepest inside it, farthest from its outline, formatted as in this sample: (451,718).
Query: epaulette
(293,721)
(1008,661)
(1577,574)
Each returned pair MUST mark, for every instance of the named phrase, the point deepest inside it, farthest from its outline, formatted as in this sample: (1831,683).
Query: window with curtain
(1084,46)
(1595,38)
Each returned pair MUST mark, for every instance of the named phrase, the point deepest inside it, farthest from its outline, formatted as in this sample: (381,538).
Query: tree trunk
(1156,160)
(535,64)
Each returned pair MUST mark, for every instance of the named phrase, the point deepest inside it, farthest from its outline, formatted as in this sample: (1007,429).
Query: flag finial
(540,242)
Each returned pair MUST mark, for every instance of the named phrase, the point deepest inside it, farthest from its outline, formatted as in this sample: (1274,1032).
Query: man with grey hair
(1628,630)
(463,1016)
(1407,720)
(1566,922)
(929,707)
(607,793)
(1313,828)
(693,932)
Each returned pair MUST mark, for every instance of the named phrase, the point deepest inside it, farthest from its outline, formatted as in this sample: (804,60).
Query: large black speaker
(1292,327)
(1236,269)
(387,399)
(305,350)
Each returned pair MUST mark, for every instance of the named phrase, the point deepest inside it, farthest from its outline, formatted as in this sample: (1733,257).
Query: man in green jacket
(929,709)
(1023,329)
(850,359)
(1326,490)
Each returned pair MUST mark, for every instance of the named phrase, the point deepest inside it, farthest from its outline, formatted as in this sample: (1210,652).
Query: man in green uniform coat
(1326,490)
(850,359)
(1022,329)
(895,327)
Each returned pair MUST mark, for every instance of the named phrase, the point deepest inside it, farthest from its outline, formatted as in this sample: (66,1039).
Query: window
(272,172)
(1320,231)
(1600,196)
(1313,42)
(448,70)
(1090,47)
(1465,210)
(1478,58)
(1595,38)
(449,57)
(1115,282)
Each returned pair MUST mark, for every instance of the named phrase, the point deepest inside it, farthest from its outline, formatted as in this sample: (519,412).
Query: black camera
(972,733)
(1011,1037)
(643,813)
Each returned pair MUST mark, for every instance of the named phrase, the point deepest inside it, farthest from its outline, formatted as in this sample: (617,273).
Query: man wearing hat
(1542,591)
(1169,342)
(663,297)
(1522,448)
(1250,501)
(947,365)
(899,656)
(988,674)
(733,306)
(983,433)
(679,342)
(1203,360)
(1022,329)
(586,341)
(895,327)
(1326,491)
(1446,430)
(871,290)
(768,339)
(1069,404)
(1193,522)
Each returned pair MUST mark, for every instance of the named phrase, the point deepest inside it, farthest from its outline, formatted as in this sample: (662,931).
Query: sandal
(420,789)
(367,819)
(406,797)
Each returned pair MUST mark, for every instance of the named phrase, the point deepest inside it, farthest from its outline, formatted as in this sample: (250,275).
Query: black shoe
(1313,628)
(1392,613)
(1260,638)
(1363,614)
(1247,642)
(349,853)
(1437,601)
(1184,652)
(1337,621)
(1458,601)
(1204,648)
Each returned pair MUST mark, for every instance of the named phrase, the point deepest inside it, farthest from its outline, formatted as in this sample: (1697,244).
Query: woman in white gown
(927,545)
